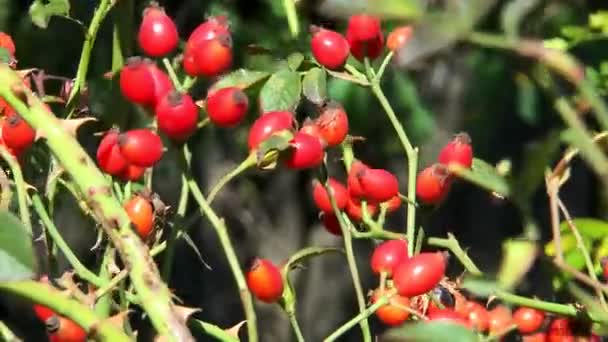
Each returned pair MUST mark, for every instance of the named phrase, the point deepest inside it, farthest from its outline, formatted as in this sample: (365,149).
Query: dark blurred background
(486,93)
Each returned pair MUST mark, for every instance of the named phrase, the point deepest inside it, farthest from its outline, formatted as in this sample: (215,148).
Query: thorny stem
(452,244)
(243,166)
(82,271)
(48,296)
(410,151)
(220,229)
(13,164)
(153,293)
(363,315)
(352,265)
(87,47)
(213,331)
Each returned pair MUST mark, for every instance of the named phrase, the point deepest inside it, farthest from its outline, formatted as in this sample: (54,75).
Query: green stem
(292,17)
(352,265)
(103,304)
(87,48)
(13,164)
(296,327)
(382,68)
(220,229)
(154,294)
(452,244)
(363,315)
(82,271)
(213,331)
(250,161)
(173,234)
(410,152)
(6,334)
(172,75)
(122,35)
(48,296)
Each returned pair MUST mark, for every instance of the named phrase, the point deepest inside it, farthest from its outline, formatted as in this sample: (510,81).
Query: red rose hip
(268,124)
(227,107)
(141,147)
(177,116)
(388,255)
(458,151)
(17,134)
(419,274)
(329,48)
(265,281)
(393,313)
(399,37)
(331,223)
(378,185)
(364,35)
(306,152)
(109,158)
(214,56)
(136,82)
(333,124)
(433,184)
(321,197)
(528,320)
(158,34)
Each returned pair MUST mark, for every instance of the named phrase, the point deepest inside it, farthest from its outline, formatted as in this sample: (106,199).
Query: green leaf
(517,259)
(281,91)
(430,332)
(17,260)
(386,9)
(591,228)
(241,78)
(514,12)
(267,151)
(479,286)
(42,11)
(527,100)
(295,60)
(483,175)
(314,86)
(5,56)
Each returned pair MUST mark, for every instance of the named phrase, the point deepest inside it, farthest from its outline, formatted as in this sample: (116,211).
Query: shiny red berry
(210,29)
(136,82)
(500,318)
(560,330)
(364,35)
(268,124)
(354,209)
(131,173)
(333,124)
(419,274)
(66,330)
(141,213)
(265,281)
(393,204)
(458,151)
(189,63)
(536,337)
(378,185)
(399,37)
(478,316)
(43,312)
(331,223)
(158,34)
(141,147)
(306,152)
(433,184)
(321,197)
(393,313)
(162,84)
(17,134)
(388,255)
(355,189)
(227,107)
(213,57)
(177,116)
(311,128)
(448,315)
(528,320)
(329,48)
(109,158)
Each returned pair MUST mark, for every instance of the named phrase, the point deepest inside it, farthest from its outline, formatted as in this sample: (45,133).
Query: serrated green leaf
(314,86)
(281,91)
(17,260)
(517,258)
(483,175)
(41,11)
(295,60)
(430,332)
(241,78)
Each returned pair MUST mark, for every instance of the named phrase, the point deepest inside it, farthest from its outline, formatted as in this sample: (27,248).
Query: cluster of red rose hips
(434,182)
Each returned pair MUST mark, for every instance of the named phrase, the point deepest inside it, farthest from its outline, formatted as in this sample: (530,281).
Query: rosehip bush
(398,172)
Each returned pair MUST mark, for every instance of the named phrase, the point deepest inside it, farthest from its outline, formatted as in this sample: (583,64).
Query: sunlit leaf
(387,9)
(517,258)
(41,11)
(588,227)
(281,91)
(483,175)
(430,332)
(17,260)
(241,78)
(295,60)
(314,86)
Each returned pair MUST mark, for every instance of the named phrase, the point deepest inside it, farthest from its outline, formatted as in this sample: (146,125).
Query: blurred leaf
(295,60)
(422,121)
(527,100)
(441,29)
(567,242)
(281,91)
(588,227)
(591,304)
(599,21)
(484,175)
(517,258)
(513,13)
(42,11)
(279,141)
(241,78)
(537,158)
(314,86)
(430,332)
(17,260)
(480,287)
(5,56)
(386,9)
